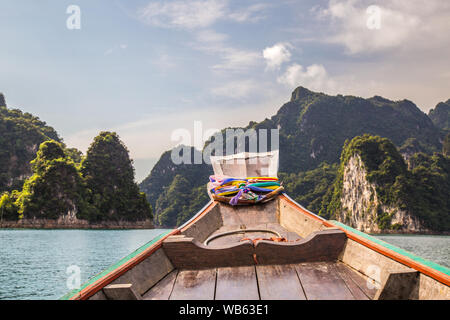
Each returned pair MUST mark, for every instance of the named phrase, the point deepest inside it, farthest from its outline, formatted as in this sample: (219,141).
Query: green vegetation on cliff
(179,201)
(421,191)
(101,188)
(441,115)
(109,174)
(20,136)
(313,128)
(172,189)
(56,186)
(309,187)
(446,145)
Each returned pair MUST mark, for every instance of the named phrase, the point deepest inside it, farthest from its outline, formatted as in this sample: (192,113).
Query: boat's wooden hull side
(393,273)
(122,271)
(378,260)
(96,284)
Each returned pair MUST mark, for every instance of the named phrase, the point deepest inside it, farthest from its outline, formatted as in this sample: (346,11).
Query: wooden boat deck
(319,261)
(302,281)
(290,236)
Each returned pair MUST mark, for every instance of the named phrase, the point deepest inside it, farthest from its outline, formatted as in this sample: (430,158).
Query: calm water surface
(33,263)
(433,248)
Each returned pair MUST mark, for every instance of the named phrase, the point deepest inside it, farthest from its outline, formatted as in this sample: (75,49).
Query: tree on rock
(56,187)
(446,145)
(109,175)
(8,208)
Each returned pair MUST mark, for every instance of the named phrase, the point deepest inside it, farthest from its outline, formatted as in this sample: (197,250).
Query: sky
(145,69)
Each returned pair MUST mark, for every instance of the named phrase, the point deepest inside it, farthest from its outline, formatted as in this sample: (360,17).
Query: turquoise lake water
(33,263)
(433,248)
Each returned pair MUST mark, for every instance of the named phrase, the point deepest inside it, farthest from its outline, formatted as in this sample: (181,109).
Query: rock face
(312,130)
(20,136)
(441,115)
(361,204)
(2,100)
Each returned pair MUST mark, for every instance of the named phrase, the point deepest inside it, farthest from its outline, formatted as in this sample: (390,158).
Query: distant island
(44,184)
(378,165)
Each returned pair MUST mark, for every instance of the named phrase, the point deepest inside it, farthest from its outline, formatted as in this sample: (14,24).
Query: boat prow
(275,250)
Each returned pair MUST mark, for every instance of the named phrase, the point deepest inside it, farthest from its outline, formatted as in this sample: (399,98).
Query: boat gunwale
(426,270)
(98,284)
(92,288)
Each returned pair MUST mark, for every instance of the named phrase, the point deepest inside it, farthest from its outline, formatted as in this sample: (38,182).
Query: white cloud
(403,24)
(182,13)
(314,77)
(208,36)
(276,55)
(163,61)
(231,58)
(196,13)
(236,89)
(198,16)
(236,59)
(250,14)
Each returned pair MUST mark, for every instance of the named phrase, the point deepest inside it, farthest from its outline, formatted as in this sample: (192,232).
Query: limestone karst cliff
(361,204)
(376,191)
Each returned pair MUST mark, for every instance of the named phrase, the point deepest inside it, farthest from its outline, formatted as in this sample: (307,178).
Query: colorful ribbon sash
(243,188)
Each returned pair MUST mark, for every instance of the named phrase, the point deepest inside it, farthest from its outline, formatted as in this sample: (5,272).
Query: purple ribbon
(235,199)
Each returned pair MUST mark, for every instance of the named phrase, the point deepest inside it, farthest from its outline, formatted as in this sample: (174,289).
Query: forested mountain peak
(440,115)
(21,133)
(313,128)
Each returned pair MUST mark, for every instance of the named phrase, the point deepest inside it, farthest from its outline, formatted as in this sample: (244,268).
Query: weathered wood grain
(249,215)
(186,253)
(163,289)
(325,245)
(234,238)
(296,221)
(122,291)
(398,286)
(363,282)
(236,283)
(279,282)
(321,282)
(194,285)
(370,263)
(356,291)
(147,273)
(205,225)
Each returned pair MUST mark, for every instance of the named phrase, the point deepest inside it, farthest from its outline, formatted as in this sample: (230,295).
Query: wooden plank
(187,253)
(236,283)
(204,225)
(224,240)
(364,283)
(248,215)
(147,273)
(235,238)
(163,289)
(399,286)
(321,282)
(294,219)
(289,235)
(122,291)
(279,282)
(356,291)
(194,285)
(325,245)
